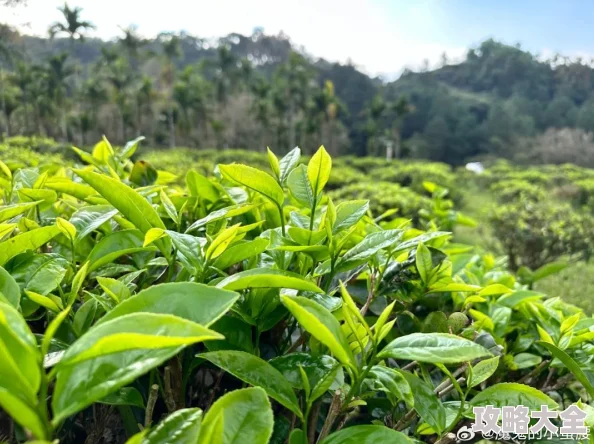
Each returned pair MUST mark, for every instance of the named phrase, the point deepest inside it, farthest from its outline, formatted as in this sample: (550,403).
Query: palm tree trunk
(26,106)
(290,118)
(4,110)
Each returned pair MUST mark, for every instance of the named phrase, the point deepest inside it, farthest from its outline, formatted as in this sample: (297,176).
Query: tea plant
(254,308)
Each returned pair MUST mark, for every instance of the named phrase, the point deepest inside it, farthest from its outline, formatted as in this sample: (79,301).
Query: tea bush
(251,306)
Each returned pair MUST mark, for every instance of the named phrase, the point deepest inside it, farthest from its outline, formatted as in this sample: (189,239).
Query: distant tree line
(259,90)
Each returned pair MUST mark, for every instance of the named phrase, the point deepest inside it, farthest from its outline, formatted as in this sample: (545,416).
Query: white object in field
(475,167)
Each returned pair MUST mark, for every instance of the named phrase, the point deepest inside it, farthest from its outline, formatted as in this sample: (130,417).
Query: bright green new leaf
(571,365)
(188,300)
(511,393)
(9,289)
(367,434)
(273,162)
(221,242)
(66,228)
(254,179)
(181,427)
(128,202)
(30,240)
(423,262)
(136,331)
(9,211)
(23,413)
(318,170)
(246,417)
(240,251)
(267,278)
(483,370)
(322,325)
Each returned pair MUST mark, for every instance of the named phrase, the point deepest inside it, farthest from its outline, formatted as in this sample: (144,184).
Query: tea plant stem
(311,432)
(410,365)
(534,372)
(169,398)
(150,405)
(332,414)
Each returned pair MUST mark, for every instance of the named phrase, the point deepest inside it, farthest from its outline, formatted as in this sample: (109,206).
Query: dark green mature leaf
(349,213)
(300,187)
(483,370)
(240,251)
(317,368)
(322,325)
(115,245)
(88,219)
(239,417)
(257,372)
(30,240)
(40,273)
(128,202)
(371,244)
(367,434)
(392,382)
(267,278)
(571,365)
(9,289)
(189,300)
(124,396)
(288,163)
(254,179)
(427,404)
(223,213)
(511,393)
(200,186)
(437,348)
(181,427)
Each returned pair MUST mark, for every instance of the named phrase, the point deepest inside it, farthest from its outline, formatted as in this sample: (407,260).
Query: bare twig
(297,343)
(150,405)
(409,366)
(168,392)
(214,389)
(534,372)
(370,296)
(333,411)
(448,438)
(313,421)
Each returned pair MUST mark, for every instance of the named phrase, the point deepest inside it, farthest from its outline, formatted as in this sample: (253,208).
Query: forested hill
(258,90)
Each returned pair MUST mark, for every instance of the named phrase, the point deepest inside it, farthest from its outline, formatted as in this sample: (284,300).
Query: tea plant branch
(150,405)
(169,398)
(535,372)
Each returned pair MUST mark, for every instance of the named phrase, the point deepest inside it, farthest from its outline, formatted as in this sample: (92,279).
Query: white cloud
(380,39)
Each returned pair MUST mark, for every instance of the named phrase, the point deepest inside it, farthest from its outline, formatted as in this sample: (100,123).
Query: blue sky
(380,36)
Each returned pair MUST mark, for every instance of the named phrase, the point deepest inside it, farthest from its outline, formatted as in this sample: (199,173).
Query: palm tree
(23,78)
(74,28)
(171,51)
(72,25)
(132,42)
(58,71)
